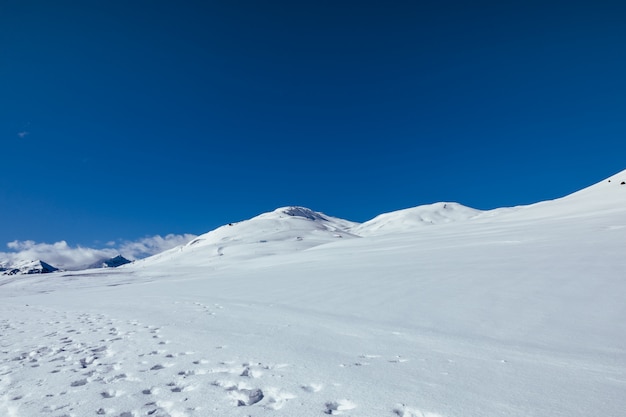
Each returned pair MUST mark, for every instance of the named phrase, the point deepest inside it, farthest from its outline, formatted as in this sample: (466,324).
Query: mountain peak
(298,211)
(29,267)
(410,218)
(114,262)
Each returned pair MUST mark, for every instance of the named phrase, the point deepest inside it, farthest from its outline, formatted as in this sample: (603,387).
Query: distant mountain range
(29,267)
(284,230)
(114,262)
(295,228)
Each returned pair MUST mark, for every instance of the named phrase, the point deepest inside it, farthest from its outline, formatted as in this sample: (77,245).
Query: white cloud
(59,254)
(64,256)
(152,245)
(23,134)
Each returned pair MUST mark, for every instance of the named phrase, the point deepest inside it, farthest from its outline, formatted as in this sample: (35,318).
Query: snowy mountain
(27,268)
(114,262)
(412,218)
(41,267)
(294,228)
(282,231)
(512,312)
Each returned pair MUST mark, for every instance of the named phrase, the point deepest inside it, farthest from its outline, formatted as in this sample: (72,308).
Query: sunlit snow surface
(511,312)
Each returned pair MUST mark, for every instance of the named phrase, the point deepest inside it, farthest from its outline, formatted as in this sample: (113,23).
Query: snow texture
(513,312)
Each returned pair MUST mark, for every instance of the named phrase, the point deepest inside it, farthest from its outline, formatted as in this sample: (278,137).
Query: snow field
(516,312)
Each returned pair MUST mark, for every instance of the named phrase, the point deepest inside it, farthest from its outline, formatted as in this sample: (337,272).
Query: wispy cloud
(23,134)
(152,245)
(64,256)
(59,254)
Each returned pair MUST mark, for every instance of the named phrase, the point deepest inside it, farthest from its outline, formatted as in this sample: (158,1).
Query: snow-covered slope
(293,229)
(284,230)
(517,313)
(603,198)
(409,219)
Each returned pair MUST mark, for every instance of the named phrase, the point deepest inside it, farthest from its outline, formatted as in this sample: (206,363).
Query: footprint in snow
(312,387)
(111,393)
(160,366)
(369,356)
(246,397)
(79,383)
(403,411)
(175,387)
(151,391)
(339,406)
(398,359)
(251,373)
(277,398)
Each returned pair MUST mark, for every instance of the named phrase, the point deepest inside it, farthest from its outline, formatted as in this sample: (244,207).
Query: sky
(125,121)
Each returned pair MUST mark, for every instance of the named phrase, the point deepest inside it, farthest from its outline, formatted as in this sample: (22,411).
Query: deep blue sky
(121,119)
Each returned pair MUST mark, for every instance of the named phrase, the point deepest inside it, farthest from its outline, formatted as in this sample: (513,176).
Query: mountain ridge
(27,268)
(295,228)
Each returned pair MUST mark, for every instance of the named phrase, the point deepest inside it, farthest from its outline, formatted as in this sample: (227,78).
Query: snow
(26,267)
(67,257)
(282,231)
(408,219)
(512,312)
